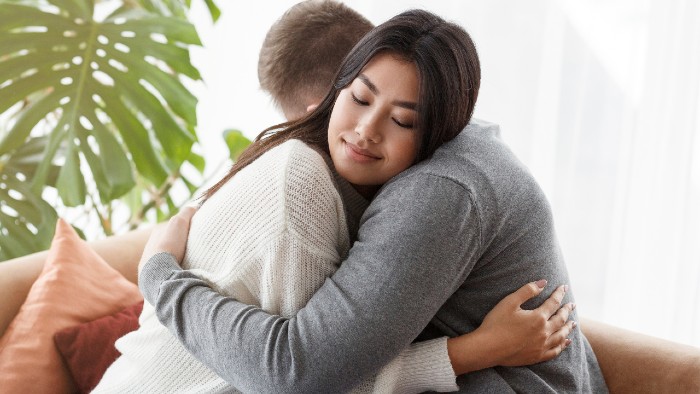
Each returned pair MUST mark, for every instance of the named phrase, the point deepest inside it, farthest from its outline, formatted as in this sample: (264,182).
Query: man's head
(303,49)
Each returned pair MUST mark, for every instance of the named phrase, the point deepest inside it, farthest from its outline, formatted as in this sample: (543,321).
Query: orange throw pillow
(75,286)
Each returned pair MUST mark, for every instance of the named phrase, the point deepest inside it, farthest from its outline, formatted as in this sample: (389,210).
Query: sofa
(636,363)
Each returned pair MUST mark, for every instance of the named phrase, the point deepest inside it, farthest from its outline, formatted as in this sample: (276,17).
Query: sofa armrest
(637,363)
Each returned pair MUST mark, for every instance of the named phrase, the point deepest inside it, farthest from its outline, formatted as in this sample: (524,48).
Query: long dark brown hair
(449,76)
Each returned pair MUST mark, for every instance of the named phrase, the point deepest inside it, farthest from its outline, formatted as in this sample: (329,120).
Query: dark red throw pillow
(88,348)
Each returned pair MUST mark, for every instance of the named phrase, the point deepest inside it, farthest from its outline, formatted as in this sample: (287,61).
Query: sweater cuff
(427,367)
(157,269)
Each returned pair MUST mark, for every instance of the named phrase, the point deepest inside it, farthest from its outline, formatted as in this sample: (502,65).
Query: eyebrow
(373,88)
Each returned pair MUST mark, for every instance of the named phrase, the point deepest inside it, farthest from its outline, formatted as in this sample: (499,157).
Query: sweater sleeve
(423,366)
(398,273)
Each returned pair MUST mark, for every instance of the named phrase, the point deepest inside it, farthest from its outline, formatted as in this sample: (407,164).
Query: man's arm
(122,252)
(419,240)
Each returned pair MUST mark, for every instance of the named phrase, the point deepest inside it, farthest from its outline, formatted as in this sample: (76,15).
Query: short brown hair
(303,50)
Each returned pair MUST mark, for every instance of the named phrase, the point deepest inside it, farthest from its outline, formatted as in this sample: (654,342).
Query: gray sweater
(438,247)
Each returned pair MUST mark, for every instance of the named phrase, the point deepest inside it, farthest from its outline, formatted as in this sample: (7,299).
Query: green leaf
(70,184)
(190,185)
(236,142)
(174,29)
(197,161)
(110,96)
(213,10)
(111,170)
(137,140)
(133,200)
(178,98)
(26,221)
(25,160)
(120,78)
(175,8)
(53,146)
(175,141)
(28,119)
(75,8)
(118,170)
(173,56)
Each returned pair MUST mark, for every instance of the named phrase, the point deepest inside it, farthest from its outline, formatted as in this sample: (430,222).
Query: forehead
(392,75)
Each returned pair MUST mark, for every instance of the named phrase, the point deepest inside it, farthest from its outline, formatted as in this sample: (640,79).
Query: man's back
(516,244)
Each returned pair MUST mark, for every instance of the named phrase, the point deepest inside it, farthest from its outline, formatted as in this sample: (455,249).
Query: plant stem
(104,222)
(156,200)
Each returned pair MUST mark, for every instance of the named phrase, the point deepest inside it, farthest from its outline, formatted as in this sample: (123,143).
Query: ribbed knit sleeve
(423,366)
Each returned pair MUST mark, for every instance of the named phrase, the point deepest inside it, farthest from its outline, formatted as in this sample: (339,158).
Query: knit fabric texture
(439,246)
(270,237)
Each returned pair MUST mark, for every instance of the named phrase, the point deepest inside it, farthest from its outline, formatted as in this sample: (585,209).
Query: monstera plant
(93,113)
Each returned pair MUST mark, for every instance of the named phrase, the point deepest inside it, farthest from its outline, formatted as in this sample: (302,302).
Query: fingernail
(574,325)
(568,342)
(566,288)
(541,283)
(573,306)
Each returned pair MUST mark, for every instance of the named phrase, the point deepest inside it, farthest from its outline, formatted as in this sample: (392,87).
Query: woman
(407,88)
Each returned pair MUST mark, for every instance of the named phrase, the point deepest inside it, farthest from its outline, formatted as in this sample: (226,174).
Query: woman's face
(371,134)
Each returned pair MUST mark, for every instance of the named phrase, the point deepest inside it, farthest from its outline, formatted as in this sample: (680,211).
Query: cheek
(338,118)
(333,126)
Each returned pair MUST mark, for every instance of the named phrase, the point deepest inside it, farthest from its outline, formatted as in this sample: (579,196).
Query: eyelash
(363,103)
(358,101)
(405,126)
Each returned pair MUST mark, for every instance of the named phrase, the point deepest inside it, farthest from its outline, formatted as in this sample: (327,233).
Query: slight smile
(358,154)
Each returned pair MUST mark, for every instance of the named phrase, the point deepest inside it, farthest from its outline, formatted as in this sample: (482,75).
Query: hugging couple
(381,240)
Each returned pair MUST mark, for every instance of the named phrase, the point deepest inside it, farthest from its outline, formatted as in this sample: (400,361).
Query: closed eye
(403,125)
(357,100)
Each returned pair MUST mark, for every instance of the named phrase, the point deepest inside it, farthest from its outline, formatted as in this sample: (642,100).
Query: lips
(358,154)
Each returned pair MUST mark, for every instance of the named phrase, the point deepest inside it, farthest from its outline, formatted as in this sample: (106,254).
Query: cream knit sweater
(269,237)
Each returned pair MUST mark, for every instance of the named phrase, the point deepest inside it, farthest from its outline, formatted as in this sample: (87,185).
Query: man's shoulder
(483,165)
(475,155)
(483,126)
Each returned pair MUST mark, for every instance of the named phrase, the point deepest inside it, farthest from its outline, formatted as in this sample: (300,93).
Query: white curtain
(599,98)
(617,140)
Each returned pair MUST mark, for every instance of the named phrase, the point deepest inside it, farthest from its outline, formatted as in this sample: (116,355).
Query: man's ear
(311,107)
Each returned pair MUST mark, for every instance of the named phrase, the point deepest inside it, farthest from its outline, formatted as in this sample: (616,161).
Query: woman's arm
(508,336)
(511,336)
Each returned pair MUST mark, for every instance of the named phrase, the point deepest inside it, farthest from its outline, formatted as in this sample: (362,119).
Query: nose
(368,128)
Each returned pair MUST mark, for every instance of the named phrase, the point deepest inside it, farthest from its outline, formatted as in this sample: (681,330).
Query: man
(439,246)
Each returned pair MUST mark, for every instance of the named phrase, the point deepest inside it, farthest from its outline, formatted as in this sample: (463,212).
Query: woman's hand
(512,336)
(171,238)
